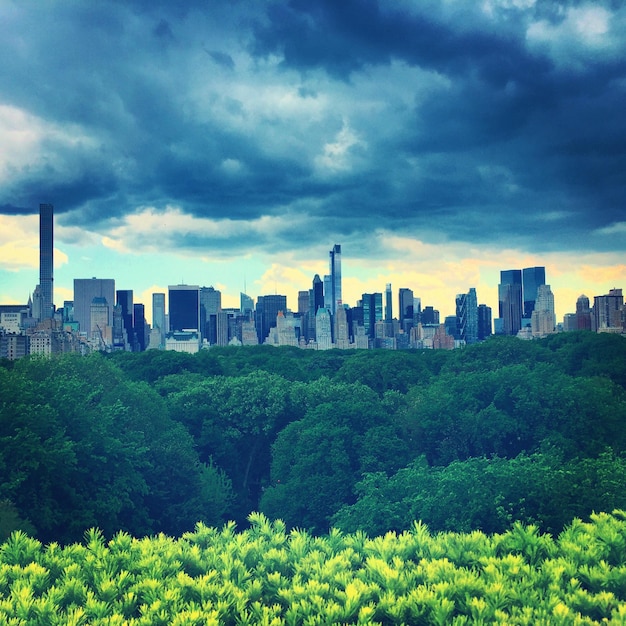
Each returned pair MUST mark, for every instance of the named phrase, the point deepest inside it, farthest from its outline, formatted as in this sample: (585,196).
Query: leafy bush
(266,575)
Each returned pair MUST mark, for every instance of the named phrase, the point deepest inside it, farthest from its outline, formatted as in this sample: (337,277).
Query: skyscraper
(335,278)
(406,304)
(607,311)
(316,301)
(140,326)
(543,320)
(46,261)
(210,306)
(388,303)
(484,321)
(532,278)
(323,331)
(184,307)
(372,312)
(467,316)
(583,313)
(124,299)
(267,308)
(246,304)
(85,290)
(158,317)
(510,301)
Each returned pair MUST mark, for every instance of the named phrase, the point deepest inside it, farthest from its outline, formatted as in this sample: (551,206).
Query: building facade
(184,308)
(335,278)
(46,259)
(85,290)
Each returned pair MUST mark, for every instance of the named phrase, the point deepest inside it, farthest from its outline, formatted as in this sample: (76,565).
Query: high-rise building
(303,302)
(335,278)
(543,319)
(388,303)
(184,307)
(158,318)
(430,315)
(140,326)
(124,298)
(532,278)
(484,322)
(323,331)
(467,317)
(210,306)
(608,311)
(246,304)
(583,313)
(341,333)
(510,301)
(406,305)
(267,308)
(85,290)
(46,260)
(372,312)
(100,312)
(316,300)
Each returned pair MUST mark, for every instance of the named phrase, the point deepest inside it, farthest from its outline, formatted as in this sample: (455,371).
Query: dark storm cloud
(470,121)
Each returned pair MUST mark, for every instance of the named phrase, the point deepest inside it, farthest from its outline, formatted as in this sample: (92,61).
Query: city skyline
(350,285)
(233,144)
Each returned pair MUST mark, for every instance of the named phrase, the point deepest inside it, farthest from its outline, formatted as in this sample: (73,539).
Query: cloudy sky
(232,143)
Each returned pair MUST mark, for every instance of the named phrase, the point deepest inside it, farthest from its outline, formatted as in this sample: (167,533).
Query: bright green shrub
(266,575)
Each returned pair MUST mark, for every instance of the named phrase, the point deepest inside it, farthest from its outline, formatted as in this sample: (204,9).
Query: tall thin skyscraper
(335,278)
(388,304)
(158,316)
(46,261)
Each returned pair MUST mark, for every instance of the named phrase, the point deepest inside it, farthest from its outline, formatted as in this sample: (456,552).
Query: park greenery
(502,433)
(269,576)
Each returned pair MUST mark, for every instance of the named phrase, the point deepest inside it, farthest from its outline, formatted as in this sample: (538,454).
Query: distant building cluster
(105,319)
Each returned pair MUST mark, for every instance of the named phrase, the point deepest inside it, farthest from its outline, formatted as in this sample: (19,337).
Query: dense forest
(475,439)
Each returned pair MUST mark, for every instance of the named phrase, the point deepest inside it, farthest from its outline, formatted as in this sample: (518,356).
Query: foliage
(317,460)
(487,494)
(266,575)
(152,442)
(513,409)
(81,445)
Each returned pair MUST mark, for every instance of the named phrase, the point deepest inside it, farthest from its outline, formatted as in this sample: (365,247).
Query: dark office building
(510,301)
(430,315)
(406,308)
(124,299)
(372,304)
(484,322)
(532,278)
(141,328)
(267,308)
(184,307)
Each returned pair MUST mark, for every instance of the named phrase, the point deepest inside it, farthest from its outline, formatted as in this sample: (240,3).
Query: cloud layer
(291,125)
